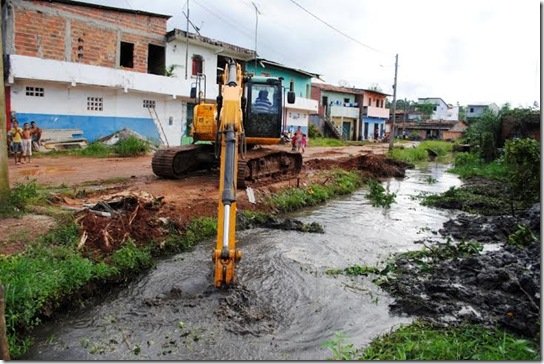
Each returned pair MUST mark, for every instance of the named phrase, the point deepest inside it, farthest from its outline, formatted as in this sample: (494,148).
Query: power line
(335,29)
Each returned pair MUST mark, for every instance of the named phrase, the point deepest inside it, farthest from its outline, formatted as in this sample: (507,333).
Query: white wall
(63,99)
(175,55)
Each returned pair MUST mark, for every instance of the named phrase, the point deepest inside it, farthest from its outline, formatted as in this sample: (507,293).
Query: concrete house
(442,110)
(100,68)
(296,114)
(350,113)
(477,110)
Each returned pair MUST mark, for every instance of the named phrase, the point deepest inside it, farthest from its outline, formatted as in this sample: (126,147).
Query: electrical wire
(336,29)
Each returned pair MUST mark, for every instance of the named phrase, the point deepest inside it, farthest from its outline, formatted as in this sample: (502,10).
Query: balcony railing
(344,111)
(302,103)
(375,112)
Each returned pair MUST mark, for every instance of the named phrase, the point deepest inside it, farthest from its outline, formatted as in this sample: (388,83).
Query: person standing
(36,135)
(26,143)
(16,136)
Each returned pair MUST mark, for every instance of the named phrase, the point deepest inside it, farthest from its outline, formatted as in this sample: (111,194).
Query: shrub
(95,149)
(522,159)
(313,132)
(131,258)
(131,147)
(20,196)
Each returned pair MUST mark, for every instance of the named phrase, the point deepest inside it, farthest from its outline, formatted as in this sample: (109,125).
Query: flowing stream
(285,305)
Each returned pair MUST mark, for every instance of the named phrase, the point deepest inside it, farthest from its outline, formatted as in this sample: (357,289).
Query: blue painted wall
(93,127)
(302,83)
(371,122)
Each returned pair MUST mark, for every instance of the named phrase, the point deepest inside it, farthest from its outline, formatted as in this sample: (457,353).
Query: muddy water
(284,306)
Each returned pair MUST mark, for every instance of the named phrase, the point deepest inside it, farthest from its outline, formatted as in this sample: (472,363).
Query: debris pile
(117,218)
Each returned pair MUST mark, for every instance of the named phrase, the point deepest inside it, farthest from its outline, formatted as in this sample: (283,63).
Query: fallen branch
(82,241)
(133,215)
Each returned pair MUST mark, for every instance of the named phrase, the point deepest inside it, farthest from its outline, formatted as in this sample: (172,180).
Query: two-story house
(351,113)
(297,114)
(441,110)
(101,68)
(477,110)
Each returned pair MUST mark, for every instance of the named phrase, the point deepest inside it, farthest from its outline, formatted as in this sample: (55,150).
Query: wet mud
(498,287)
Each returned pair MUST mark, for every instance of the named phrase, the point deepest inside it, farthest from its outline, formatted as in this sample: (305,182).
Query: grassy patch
(95,149)
(340,182)
(196,231)
(467,165)
(131,147)
(421,341)
(421,152)
(326,142)
(377,195)
(20,198)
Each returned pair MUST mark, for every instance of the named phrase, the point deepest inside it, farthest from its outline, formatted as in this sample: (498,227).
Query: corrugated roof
(107,7)
(347,90)
(279,65)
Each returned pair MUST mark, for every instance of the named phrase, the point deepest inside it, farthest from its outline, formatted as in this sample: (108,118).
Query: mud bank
(498,287)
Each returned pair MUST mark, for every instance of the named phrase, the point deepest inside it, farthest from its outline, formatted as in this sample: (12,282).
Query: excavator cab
(264,110)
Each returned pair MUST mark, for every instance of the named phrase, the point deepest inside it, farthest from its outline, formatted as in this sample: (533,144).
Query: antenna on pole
(187,42)
(257,13)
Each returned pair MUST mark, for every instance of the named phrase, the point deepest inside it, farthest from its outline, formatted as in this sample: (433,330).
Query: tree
(426,109)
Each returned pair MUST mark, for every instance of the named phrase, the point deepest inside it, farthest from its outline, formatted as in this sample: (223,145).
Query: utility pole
(4,179)
(405,115)
(392,136)
(257,12)
(187,42)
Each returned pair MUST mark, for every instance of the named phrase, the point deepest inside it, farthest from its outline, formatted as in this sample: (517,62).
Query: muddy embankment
(498,287)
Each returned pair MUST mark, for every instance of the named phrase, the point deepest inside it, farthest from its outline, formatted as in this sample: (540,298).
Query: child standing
(303,142)
(16,136)
(27,142)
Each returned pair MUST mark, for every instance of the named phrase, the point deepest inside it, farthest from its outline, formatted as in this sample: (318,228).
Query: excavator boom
(225,255)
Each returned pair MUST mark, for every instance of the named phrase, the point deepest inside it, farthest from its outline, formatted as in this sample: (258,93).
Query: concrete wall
(63,106)
(302,83)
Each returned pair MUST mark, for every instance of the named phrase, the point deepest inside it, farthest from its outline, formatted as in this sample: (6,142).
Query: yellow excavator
(243,117)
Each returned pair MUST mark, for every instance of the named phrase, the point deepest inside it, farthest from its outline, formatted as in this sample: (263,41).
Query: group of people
(22,140)
(298,141)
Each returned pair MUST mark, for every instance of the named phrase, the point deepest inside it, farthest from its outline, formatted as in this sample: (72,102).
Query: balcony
(343,111)
(375,112)
(302,103)
(32,68)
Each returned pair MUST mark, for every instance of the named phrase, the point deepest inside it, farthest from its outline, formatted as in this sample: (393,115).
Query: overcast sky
(466,51)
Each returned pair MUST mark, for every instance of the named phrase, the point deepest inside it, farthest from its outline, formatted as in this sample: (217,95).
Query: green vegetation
(523,236)
(468,165)
(421,341)
(378,196)
(522,160)
(340,183)
(131,147)
(326,142)
(197,230)
(95,149)
(354,270)
(20,198)
(421,152)
(313,132)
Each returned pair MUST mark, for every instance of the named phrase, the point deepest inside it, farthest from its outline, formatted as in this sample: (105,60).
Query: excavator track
(177,162)
(267,165)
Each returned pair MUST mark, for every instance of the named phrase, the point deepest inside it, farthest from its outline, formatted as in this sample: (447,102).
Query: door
(366,131)
(346,130)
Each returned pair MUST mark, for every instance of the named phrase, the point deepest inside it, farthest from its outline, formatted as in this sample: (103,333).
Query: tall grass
(468,165)
(420,153)
(20,197)
(131,147)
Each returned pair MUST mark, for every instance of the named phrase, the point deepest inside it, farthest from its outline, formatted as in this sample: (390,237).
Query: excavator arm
(225,255)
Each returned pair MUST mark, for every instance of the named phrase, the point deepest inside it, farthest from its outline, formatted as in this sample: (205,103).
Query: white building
(477,110)
(442,110)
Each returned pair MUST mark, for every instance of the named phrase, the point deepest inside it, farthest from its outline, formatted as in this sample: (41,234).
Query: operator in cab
(262,104)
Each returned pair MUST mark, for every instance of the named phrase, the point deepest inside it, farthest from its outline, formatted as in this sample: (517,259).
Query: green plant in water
(131,258)
(340,350)
(378,196)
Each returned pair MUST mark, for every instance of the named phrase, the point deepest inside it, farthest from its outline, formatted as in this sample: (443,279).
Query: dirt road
(72,171)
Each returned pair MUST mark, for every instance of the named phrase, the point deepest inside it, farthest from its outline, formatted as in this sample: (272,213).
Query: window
(94,103)
(346,100)
(324,101)
(377,103)
(34,91)
(434,108)
(197,64)
(127,55)
(471,109)
(369,101)
(149,104)
(155,60)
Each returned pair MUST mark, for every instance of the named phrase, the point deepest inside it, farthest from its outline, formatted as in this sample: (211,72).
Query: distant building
(442,110)
(477,110)
(351,113)
(443,130)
